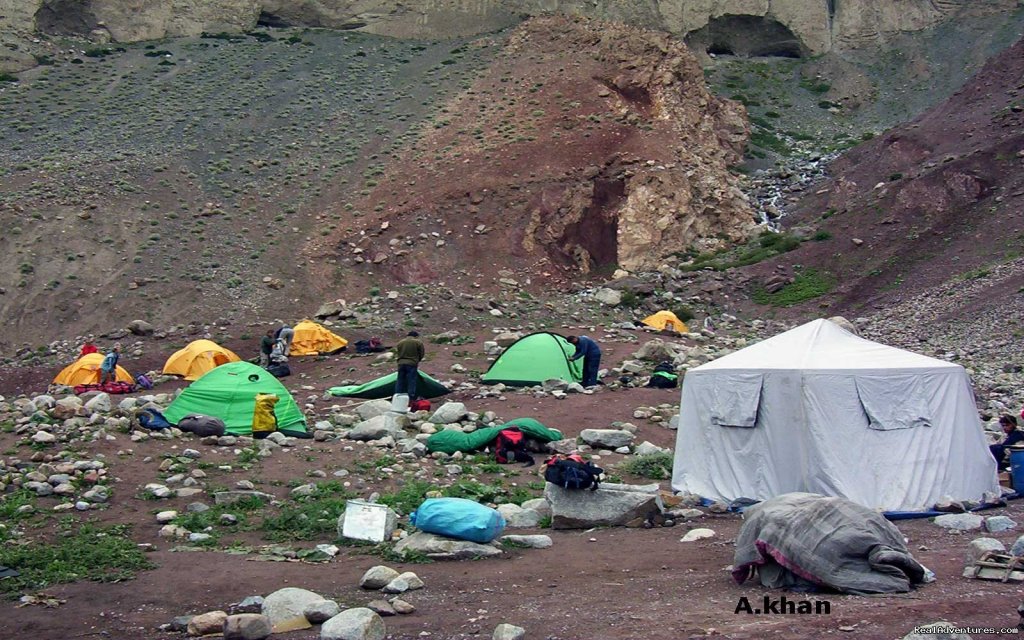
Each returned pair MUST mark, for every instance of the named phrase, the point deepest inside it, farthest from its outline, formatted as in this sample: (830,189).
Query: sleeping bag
(458,518)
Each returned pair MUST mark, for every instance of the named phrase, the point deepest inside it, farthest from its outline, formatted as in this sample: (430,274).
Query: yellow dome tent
(312,339)
(666,321)
(86,370)
(198,357)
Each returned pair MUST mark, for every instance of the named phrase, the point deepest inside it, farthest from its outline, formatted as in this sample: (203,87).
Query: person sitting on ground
(587,349)
(266,348)
(1013,437)
(108,369)
(88,348)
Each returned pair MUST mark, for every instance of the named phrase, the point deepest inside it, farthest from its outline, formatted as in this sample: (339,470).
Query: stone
(980,546)
(100,403)
(531,542)
(379,427)
(610,505)
(1018,547)
(936,631)
(540,505)
(398,585)
(381,607)
(697,534)
(608,297)
(44,437)
(251,604)
(607,438)
(845,324)
(646,449)
(448,412)
(231,497)
(441,548)
(286,607)
(377,577)
(247,626)
(354,624)
(997,524)
(140,328)
(402,607)
(518,518)
(505,631)
(412,580)
(207,623)
(320,612)
(507,339)
(369,521)
(959,521)
(373,408)
(166,516)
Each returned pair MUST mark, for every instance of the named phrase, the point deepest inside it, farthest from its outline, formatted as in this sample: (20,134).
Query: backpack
(419,405)
(279,370)
(202,425)
(571,472)
(664,377)
(150,418)
(143,381)
(510,446)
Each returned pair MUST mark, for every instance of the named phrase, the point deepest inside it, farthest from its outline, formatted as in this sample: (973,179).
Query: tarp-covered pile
(831,543)
(450,440)
(384,387)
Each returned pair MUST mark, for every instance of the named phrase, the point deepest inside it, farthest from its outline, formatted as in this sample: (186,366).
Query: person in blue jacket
(591,354)
(1014,436)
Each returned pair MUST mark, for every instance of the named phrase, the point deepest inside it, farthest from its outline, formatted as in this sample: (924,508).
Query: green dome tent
(533,359)
(229,393)
(384,387)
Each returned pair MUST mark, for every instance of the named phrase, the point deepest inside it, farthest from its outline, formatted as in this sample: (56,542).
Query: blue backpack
(143,382)
(152,419)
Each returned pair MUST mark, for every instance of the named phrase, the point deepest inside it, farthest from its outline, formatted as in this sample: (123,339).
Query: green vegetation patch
(311,517)
(657,466)
(100,554)
(765,246)
(807,285)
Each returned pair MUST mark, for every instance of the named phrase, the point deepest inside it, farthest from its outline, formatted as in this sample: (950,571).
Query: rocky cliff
(587,145)
(759,27)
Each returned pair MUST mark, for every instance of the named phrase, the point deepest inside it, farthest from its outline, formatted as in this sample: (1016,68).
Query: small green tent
(450,440)
(229,393)
(384,387)
(533,359)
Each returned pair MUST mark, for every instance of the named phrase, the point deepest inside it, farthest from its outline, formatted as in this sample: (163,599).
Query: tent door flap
(736,400)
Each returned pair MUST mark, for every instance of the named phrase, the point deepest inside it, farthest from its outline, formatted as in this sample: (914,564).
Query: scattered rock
(441,548)
(996,524)
(959,521)
(505,631)
(377,577)
(322,611)
(532,542)
(247,626)
(207,623)
(354,624)
(286,608)
(697,534)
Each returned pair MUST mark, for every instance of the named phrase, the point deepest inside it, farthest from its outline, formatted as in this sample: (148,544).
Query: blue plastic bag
(458,518)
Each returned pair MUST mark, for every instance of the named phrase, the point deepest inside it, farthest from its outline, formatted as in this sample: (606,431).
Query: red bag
(419,405)
(506,444)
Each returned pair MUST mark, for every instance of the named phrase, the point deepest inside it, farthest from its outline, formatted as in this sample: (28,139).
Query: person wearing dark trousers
(1014,436)
(409,353)
(591,354)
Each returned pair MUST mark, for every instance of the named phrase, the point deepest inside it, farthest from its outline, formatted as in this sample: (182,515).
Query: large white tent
(820,410)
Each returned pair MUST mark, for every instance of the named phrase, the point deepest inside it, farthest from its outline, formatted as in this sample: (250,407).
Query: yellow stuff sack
(263,419)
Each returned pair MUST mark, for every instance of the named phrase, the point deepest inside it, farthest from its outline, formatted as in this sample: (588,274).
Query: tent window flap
(894,402)
(736,399)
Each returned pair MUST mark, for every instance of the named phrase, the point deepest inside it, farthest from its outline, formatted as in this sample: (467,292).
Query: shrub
(807,285)
(630,300)
(893,177)
(822,236)
(657,466)
(684,313)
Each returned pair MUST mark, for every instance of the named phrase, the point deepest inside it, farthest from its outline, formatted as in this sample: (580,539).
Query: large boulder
(99,403)
(441,548)
(247,626)
(388,424)
(140,328)
(607,438)
(658,350)
(608,297)
(377,576)
(354,624)
(373,408)
(583,509)
(449,412)
(286,608)
(207,623)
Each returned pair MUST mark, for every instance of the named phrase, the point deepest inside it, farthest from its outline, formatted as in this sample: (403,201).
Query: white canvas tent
(820,410)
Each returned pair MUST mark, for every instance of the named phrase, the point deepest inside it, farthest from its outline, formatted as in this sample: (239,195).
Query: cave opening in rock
(749,36)
(66,17)
(592,243)
(272,21)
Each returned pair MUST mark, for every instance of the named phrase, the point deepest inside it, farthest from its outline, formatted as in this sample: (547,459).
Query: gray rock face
(378,576)
(247,626)
(572,509)
(505,631)
(286,607)
(439,548)
(979,546)
(449,412)
(959,521)
(532,542)
(607,438)
(378,427)
(354,624)
(318,612)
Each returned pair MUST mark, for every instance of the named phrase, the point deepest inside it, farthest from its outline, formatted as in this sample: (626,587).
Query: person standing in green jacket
(408,352)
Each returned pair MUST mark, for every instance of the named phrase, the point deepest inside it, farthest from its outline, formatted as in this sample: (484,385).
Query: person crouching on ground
(108,369)
(591,354)
(1013,436)
(409,353)
(266,348)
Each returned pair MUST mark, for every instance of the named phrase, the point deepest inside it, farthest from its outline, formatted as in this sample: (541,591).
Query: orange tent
(86,370)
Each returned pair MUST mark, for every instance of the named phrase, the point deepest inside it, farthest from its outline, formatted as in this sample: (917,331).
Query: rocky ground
(69,468)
